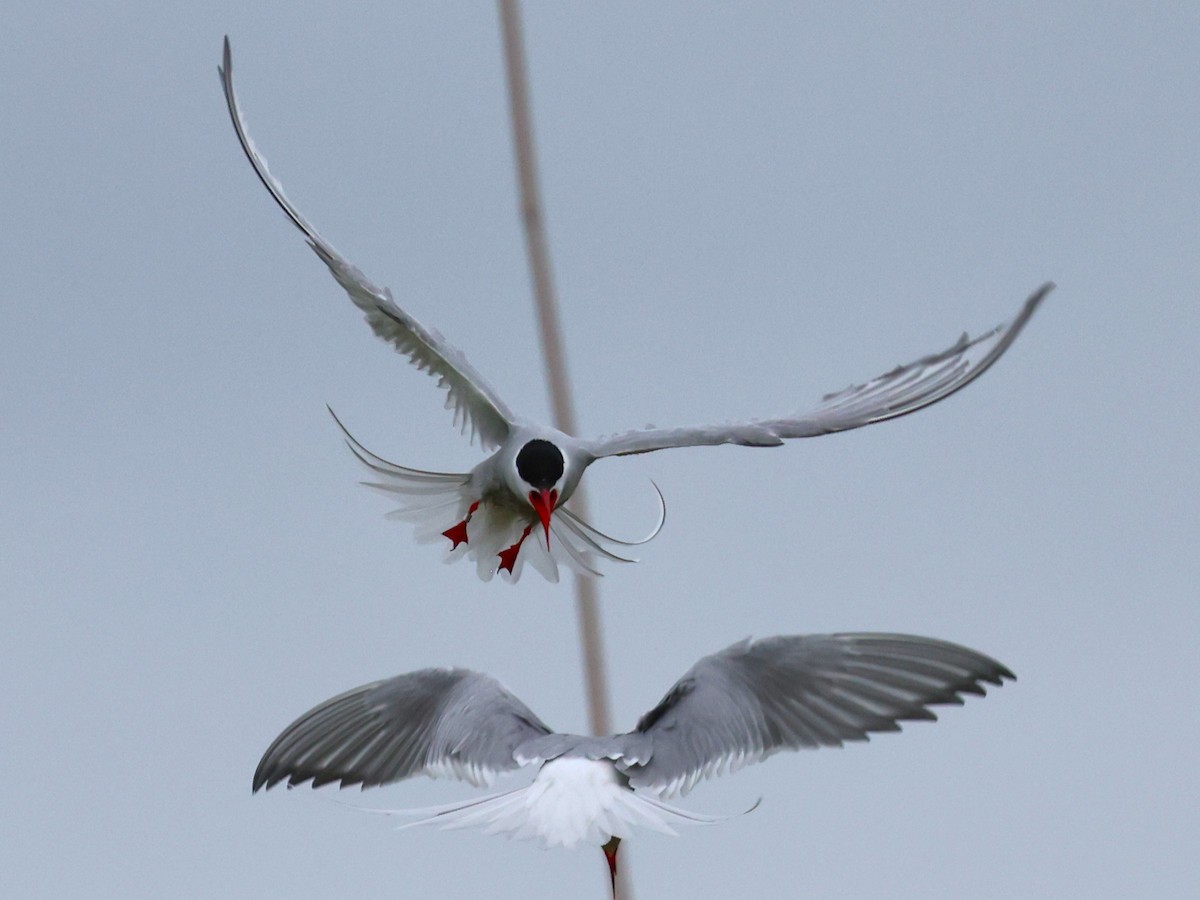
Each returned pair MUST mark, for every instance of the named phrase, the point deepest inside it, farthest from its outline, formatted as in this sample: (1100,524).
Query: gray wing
(783,693)
(436,722)
(903,390)
(474,402)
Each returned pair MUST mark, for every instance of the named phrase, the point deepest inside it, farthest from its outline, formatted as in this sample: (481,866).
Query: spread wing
(899,392)
(474,401)
(783,693)
(435,722)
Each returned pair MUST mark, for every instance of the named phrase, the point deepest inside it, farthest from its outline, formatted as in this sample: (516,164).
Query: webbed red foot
(508,558)
(458,533)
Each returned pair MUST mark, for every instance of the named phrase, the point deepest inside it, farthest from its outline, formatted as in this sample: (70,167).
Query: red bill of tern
(488,513)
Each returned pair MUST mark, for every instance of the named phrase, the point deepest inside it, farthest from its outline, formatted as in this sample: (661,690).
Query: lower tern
(488,513)
(732,708)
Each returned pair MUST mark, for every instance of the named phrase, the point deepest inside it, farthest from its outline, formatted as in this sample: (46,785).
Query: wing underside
(899,392)
(475,404)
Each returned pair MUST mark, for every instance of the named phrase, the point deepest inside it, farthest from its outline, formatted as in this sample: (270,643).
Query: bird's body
(573,800)
(489,512)
(732,708)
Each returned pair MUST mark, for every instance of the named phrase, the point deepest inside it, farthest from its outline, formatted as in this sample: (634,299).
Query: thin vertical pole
(551,332)
(586,595)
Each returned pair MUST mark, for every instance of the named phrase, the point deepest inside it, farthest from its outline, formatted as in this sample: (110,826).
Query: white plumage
(534,468)
(572,800)
(732,708)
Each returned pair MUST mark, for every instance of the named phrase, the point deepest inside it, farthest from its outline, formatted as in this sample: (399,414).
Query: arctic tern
(732,708)
(488,513)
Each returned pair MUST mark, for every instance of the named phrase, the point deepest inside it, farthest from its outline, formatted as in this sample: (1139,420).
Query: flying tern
(733,708)
(487,513)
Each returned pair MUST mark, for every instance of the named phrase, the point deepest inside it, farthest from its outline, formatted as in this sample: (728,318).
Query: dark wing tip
(269,776)
(266,776)
(1034,301)
(1000,673)
(272,771)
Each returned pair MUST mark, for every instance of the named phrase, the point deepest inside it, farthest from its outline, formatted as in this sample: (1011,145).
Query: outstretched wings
(474,402)
(899,392)
(754,699)
(434,722)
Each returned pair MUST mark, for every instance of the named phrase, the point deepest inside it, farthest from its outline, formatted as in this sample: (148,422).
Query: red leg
(508,558)
(610,854)
(458,533)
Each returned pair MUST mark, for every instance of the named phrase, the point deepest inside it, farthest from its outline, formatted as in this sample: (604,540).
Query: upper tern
(535,468)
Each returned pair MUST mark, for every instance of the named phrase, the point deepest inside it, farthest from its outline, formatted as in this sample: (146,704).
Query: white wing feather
(899,392)
(474,402)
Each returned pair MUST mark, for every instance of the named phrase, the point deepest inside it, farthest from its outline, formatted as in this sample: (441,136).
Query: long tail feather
(608,538)
(387,467)
(571,801)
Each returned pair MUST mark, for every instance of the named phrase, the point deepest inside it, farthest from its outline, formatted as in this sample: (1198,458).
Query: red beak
(543,504)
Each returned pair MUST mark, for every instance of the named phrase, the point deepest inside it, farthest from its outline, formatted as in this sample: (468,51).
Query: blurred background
(748,207)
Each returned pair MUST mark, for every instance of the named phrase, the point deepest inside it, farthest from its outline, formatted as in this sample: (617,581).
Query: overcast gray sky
(748,207)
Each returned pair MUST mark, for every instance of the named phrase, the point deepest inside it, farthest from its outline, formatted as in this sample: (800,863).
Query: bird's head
(540,475)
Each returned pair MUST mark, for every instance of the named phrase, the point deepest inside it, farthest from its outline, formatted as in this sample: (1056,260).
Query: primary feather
(899,392)
(475,404)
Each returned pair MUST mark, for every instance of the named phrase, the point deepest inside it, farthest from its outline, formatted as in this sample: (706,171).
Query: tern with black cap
(488,513)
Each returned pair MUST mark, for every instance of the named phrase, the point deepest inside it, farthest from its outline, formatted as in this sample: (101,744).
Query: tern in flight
(735,707)
(534,469)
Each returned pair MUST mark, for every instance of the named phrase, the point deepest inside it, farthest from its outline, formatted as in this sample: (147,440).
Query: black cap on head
(540,464)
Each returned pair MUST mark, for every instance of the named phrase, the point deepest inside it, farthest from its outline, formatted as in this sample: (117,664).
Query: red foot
(508,558)
(458,533)
(610,854)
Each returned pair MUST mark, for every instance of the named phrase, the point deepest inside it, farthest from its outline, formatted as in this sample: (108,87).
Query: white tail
(571,801)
